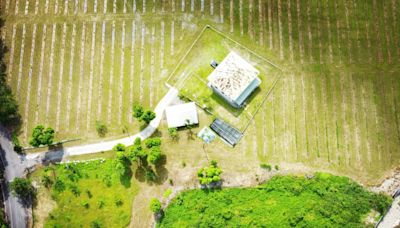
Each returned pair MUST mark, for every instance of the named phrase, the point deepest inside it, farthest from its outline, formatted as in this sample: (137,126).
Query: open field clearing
(84,193)
(335,107)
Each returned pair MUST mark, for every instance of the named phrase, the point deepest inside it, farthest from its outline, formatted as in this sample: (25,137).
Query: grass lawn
(284,201)
(91,192)
(190,77)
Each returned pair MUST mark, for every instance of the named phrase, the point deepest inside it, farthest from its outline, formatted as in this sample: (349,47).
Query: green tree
(101,128)
(154,155)
(152,142)
(210,174)
(155,205)
(22,188)
(119,147)
(148,116)
(138,111)
(42,136)
(173,133)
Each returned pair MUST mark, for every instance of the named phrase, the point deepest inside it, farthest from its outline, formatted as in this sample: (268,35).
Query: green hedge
(284,201)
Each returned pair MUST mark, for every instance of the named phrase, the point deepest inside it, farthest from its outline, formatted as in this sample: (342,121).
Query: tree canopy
(210,174)
(42,136)
(22,188)
(141,114)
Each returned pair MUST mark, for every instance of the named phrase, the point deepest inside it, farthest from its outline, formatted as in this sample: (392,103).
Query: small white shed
(181,115)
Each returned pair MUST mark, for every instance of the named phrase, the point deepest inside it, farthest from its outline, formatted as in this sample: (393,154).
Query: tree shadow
(140,174)
(54,155)
(161,172)
(125,179)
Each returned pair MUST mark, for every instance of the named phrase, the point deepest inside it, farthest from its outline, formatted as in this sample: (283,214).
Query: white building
(234,79)
(181,115)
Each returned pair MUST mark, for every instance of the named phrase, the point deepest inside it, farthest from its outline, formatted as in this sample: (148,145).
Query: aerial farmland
(86,83)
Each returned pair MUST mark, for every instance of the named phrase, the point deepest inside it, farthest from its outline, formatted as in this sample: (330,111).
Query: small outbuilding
(181,115)
(234,79)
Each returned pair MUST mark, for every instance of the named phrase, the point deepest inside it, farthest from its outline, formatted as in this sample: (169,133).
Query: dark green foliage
(59,185)
(267,167)
(155,205)
(152,142)
(284,201)
(47,181)
(17,145)
(42,136)
(8,108)
(119,147)
(143,115)
(95,224)
(101,128)
(210,174)
(148,116)
(138,111)
(22,188)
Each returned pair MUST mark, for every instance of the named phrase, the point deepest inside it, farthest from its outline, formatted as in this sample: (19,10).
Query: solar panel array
(230,134)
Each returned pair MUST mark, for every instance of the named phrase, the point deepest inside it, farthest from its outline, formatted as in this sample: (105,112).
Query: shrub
(267,167)
(210,174)
(59,185)
(101,128)
(47,181)
(85,204)
(155,205)
(173,133)
(119,147)
(118,202)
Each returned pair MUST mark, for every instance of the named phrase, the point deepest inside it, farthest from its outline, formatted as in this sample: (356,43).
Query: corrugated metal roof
(230,134)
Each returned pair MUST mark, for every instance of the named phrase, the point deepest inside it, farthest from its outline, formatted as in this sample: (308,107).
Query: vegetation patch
(285,201)
(88,194)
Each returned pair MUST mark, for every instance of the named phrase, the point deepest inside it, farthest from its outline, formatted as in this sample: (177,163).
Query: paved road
(61,153)
(14,167)
(392,217)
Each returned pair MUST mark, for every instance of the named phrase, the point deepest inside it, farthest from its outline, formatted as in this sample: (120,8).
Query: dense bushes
(285,201)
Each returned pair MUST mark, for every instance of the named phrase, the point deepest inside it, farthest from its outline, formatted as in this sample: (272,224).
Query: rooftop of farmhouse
(233,76)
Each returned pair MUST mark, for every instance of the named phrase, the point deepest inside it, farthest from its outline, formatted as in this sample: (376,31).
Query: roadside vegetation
(285,201)
(9,108)
(87,194)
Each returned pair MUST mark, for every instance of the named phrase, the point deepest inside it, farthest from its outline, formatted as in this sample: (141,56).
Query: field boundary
(180,83)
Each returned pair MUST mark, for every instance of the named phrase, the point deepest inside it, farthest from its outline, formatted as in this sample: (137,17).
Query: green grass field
(93,191)
(335,107)
(284,201)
